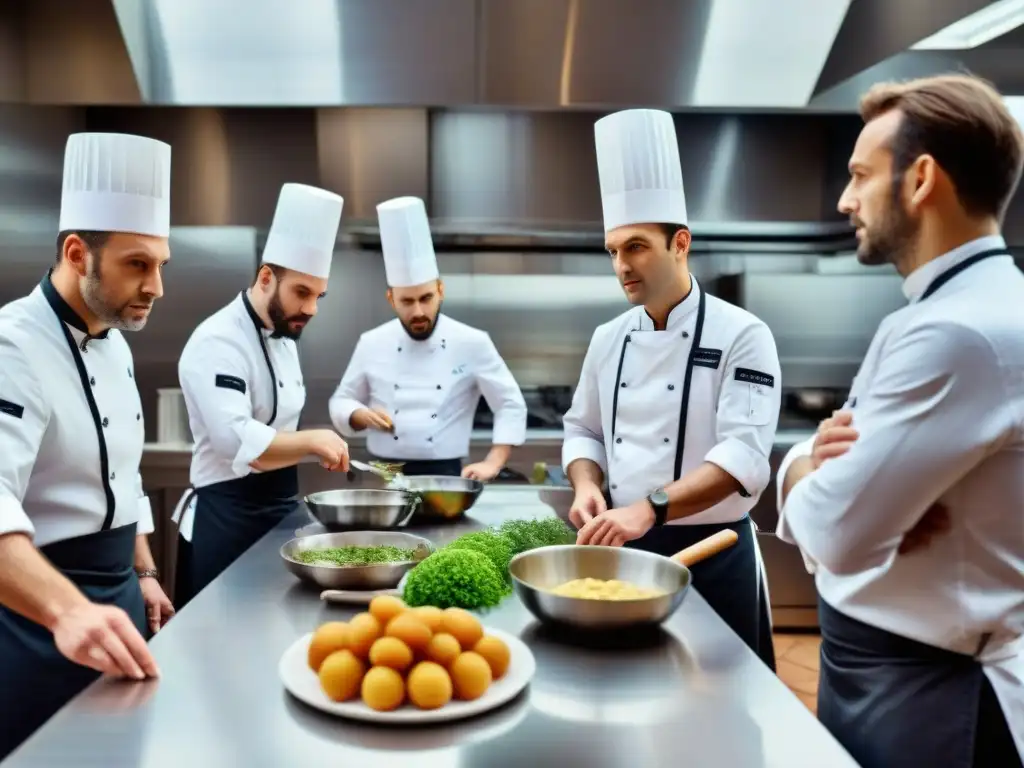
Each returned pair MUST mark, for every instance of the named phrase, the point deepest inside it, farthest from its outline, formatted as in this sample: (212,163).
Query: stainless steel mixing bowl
(362,508)
(384,576)
(537,571)
(442,496)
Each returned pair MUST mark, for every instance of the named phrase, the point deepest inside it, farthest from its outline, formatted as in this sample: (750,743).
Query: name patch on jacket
(224,381)
(707,358)
(755,377)
(12,409)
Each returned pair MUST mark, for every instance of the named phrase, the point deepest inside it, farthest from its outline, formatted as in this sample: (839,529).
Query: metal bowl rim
(353,568)
(402,497)
(639,552)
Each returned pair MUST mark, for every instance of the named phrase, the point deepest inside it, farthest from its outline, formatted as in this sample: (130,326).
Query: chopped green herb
(350,556)
(494,547)
(523,535)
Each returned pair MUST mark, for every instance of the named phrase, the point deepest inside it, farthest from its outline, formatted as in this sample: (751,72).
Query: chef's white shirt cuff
(749,467)
(801,449)
(144,521)
(341,413)
(509,431)
(13,518)
(584,448)
(256,438)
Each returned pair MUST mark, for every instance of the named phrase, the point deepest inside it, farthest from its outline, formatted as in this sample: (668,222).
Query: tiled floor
(796,660)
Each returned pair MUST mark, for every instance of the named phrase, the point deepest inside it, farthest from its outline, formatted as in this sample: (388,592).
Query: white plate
(302,683)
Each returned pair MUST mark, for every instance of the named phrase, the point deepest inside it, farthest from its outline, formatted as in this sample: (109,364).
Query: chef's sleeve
(933,412)
(144,525)
(802,449)
(747,413)
(502,393)
(214,378)
(353,392)
(583,434)
(24,414)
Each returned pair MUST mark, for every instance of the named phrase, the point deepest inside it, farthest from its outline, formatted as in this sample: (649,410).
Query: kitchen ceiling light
(992,21)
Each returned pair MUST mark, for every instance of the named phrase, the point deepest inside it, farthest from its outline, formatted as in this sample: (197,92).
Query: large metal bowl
(537,571)
(442,496)
(362,508)
(384,576)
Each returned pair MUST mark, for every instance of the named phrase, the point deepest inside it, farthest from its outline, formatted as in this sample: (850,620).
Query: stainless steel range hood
(508,53)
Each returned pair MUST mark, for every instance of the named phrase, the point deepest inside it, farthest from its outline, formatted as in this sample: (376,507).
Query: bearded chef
(415,381)
(76,573)
(908,504)
(244,392)
(678,399)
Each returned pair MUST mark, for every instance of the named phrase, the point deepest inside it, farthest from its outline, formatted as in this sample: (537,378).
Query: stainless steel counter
(696,696)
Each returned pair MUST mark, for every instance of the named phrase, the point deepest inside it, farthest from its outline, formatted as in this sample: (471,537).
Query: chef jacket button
(396,437)
(433,415)
(106,421)
(666,439)
(396,386)
(399,349)
(280,384)
(430,439)
(671,387)
(396,411)
(686,334)
(618,439)
(113,475)
(92,380)
(438,386)
(614,487)
(623,385)
(138,417)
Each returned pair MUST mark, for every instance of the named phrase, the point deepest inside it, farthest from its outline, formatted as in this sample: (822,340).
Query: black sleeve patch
(707,358)
(755,377)
(224,381)
(12,409)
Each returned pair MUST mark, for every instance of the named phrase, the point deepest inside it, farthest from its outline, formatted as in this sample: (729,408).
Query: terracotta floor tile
(805,652)
(811,702)
(783,643)
(797,677)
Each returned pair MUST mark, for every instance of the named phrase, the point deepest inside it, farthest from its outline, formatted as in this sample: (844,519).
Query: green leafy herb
(523,535)
(351,556)
(455,578)
(494,547)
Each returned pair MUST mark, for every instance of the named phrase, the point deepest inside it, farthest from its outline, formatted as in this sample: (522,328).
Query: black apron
(448,467)
(893,702)
(36,680)
(232,515)
(730,581)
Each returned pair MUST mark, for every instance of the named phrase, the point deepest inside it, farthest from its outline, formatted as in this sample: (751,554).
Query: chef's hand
(482,471)
(587,504)
(158,608)
(834,437)
(103,637)
(371,418)
(332,450)
(617,526)
(934,522)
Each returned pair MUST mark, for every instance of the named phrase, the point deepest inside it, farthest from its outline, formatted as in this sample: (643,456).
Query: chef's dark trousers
(730,581)
(893,702)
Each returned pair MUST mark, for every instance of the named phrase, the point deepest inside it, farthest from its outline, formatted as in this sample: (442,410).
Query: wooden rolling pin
(705,548)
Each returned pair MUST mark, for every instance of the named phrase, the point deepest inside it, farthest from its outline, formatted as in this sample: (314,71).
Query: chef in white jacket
(909,504)
(678,399)
(414,383)
(76,573)
(244,392)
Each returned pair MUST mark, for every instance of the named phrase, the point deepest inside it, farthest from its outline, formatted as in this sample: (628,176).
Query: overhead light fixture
(992,21)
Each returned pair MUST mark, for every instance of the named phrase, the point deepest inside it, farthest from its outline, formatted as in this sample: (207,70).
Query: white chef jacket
(431,389)
(229,371)
(53,479)
(732,410)
(939,405)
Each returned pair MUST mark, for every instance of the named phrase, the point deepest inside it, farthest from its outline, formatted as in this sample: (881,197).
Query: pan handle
(705,548)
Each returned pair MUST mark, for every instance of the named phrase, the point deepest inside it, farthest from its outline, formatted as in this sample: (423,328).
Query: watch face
(659,497)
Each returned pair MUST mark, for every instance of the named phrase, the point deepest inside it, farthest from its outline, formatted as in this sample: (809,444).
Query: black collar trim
(64,310)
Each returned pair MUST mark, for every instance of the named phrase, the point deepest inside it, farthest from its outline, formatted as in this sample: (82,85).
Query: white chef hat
(116,182)
(405,239)
(305,229)
(638,167)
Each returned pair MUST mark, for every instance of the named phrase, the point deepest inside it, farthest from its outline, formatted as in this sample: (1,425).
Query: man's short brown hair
(963,123)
